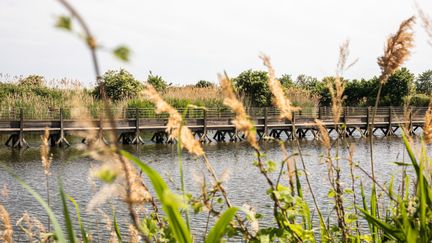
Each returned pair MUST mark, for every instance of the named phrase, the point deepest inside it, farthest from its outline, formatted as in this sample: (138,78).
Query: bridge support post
(293,127)
(266,133)
(410,127)
(101,137)
(137,138)
(204,137)
(368,128)
(17,140)
(62,138)
(390,121)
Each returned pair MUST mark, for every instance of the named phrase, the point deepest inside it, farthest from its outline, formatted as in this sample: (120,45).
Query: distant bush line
(33,93)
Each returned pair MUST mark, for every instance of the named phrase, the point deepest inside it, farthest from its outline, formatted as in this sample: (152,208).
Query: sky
(191,40)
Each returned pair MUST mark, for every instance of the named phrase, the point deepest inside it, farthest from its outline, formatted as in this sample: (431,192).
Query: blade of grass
(171,208)
(67,218)
(388,229)
(57,228)
(116,227)
(78,213)
(219,229)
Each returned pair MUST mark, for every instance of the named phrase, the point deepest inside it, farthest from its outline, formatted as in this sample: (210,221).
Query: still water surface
(245,184)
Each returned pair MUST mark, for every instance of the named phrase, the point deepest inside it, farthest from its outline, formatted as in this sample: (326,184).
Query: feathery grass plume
(6,230)
(241,121)
(174,126)
(290,166)
(44,152)
(397,49)
(115,185)
(336,85)
(427,128)
(426,22)
(32,227)
(133,234)
(280,101)
(5,191)
(324,136)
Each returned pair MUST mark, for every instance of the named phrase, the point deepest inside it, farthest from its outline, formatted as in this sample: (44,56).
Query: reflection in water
(245,184)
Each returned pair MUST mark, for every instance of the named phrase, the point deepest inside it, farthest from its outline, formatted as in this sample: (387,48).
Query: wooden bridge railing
(324,113)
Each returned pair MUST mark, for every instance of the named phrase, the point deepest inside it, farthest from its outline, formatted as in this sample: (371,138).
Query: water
(245,184)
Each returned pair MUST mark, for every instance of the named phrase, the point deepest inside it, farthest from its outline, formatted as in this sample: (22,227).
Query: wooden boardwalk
(210,125)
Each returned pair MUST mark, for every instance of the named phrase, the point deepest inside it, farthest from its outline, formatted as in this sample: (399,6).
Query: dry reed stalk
(32,227)
(397,49)
(426,22)
(280,101)
(175,126)
(5,191)
(427,128)
(193,93)
(44,152)
(241,120)
(133,234)
(291,169)
(6,230)
(336,85)
(324,136)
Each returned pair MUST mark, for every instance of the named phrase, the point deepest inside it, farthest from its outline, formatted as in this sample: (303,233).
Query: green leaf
(122,53)
(218,230)
(67,218)
(390,230)
(116,227)
(78,213)
(170,207)
(64,22)
(57,228)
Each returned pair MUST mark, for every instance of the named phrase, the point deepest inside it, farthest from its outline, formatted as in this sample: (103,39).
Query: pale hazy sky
(188,40)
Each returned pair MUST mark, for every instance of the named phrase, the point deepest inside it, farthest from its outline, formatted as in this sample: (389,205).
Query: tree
(397,88)
(424,82)
(32,81)
(119,85)
(204,84)
(315,87)
(157,82)
(286,80)
(254,86)
(358,92)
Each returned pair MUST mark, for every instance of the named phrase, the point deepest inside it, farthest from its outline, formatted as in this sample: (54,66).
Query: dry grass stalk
(44,152)
(32,227)
(397,49)
(280,101)
(427,128)
(336,85)
(241,121)
(192,93)
(6,230)
(290,166)
(426,23)
(175,123)
(133,234)
(324,136)
(5,191)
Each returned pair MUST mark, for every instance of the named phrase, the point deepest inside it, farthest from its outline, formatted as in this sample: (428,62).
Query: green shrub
(204,84)
(32,81)
(254,86)
(157,82)
(119,85)
(420,100)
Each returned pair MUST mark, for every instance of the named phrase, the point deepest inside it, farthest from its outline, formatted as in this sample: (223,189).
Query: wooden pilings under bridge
(137,126)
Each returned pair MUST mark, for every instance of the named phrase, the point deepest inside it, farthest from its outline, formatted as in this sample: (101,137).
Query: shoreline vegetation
(33,93)
(394,212)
